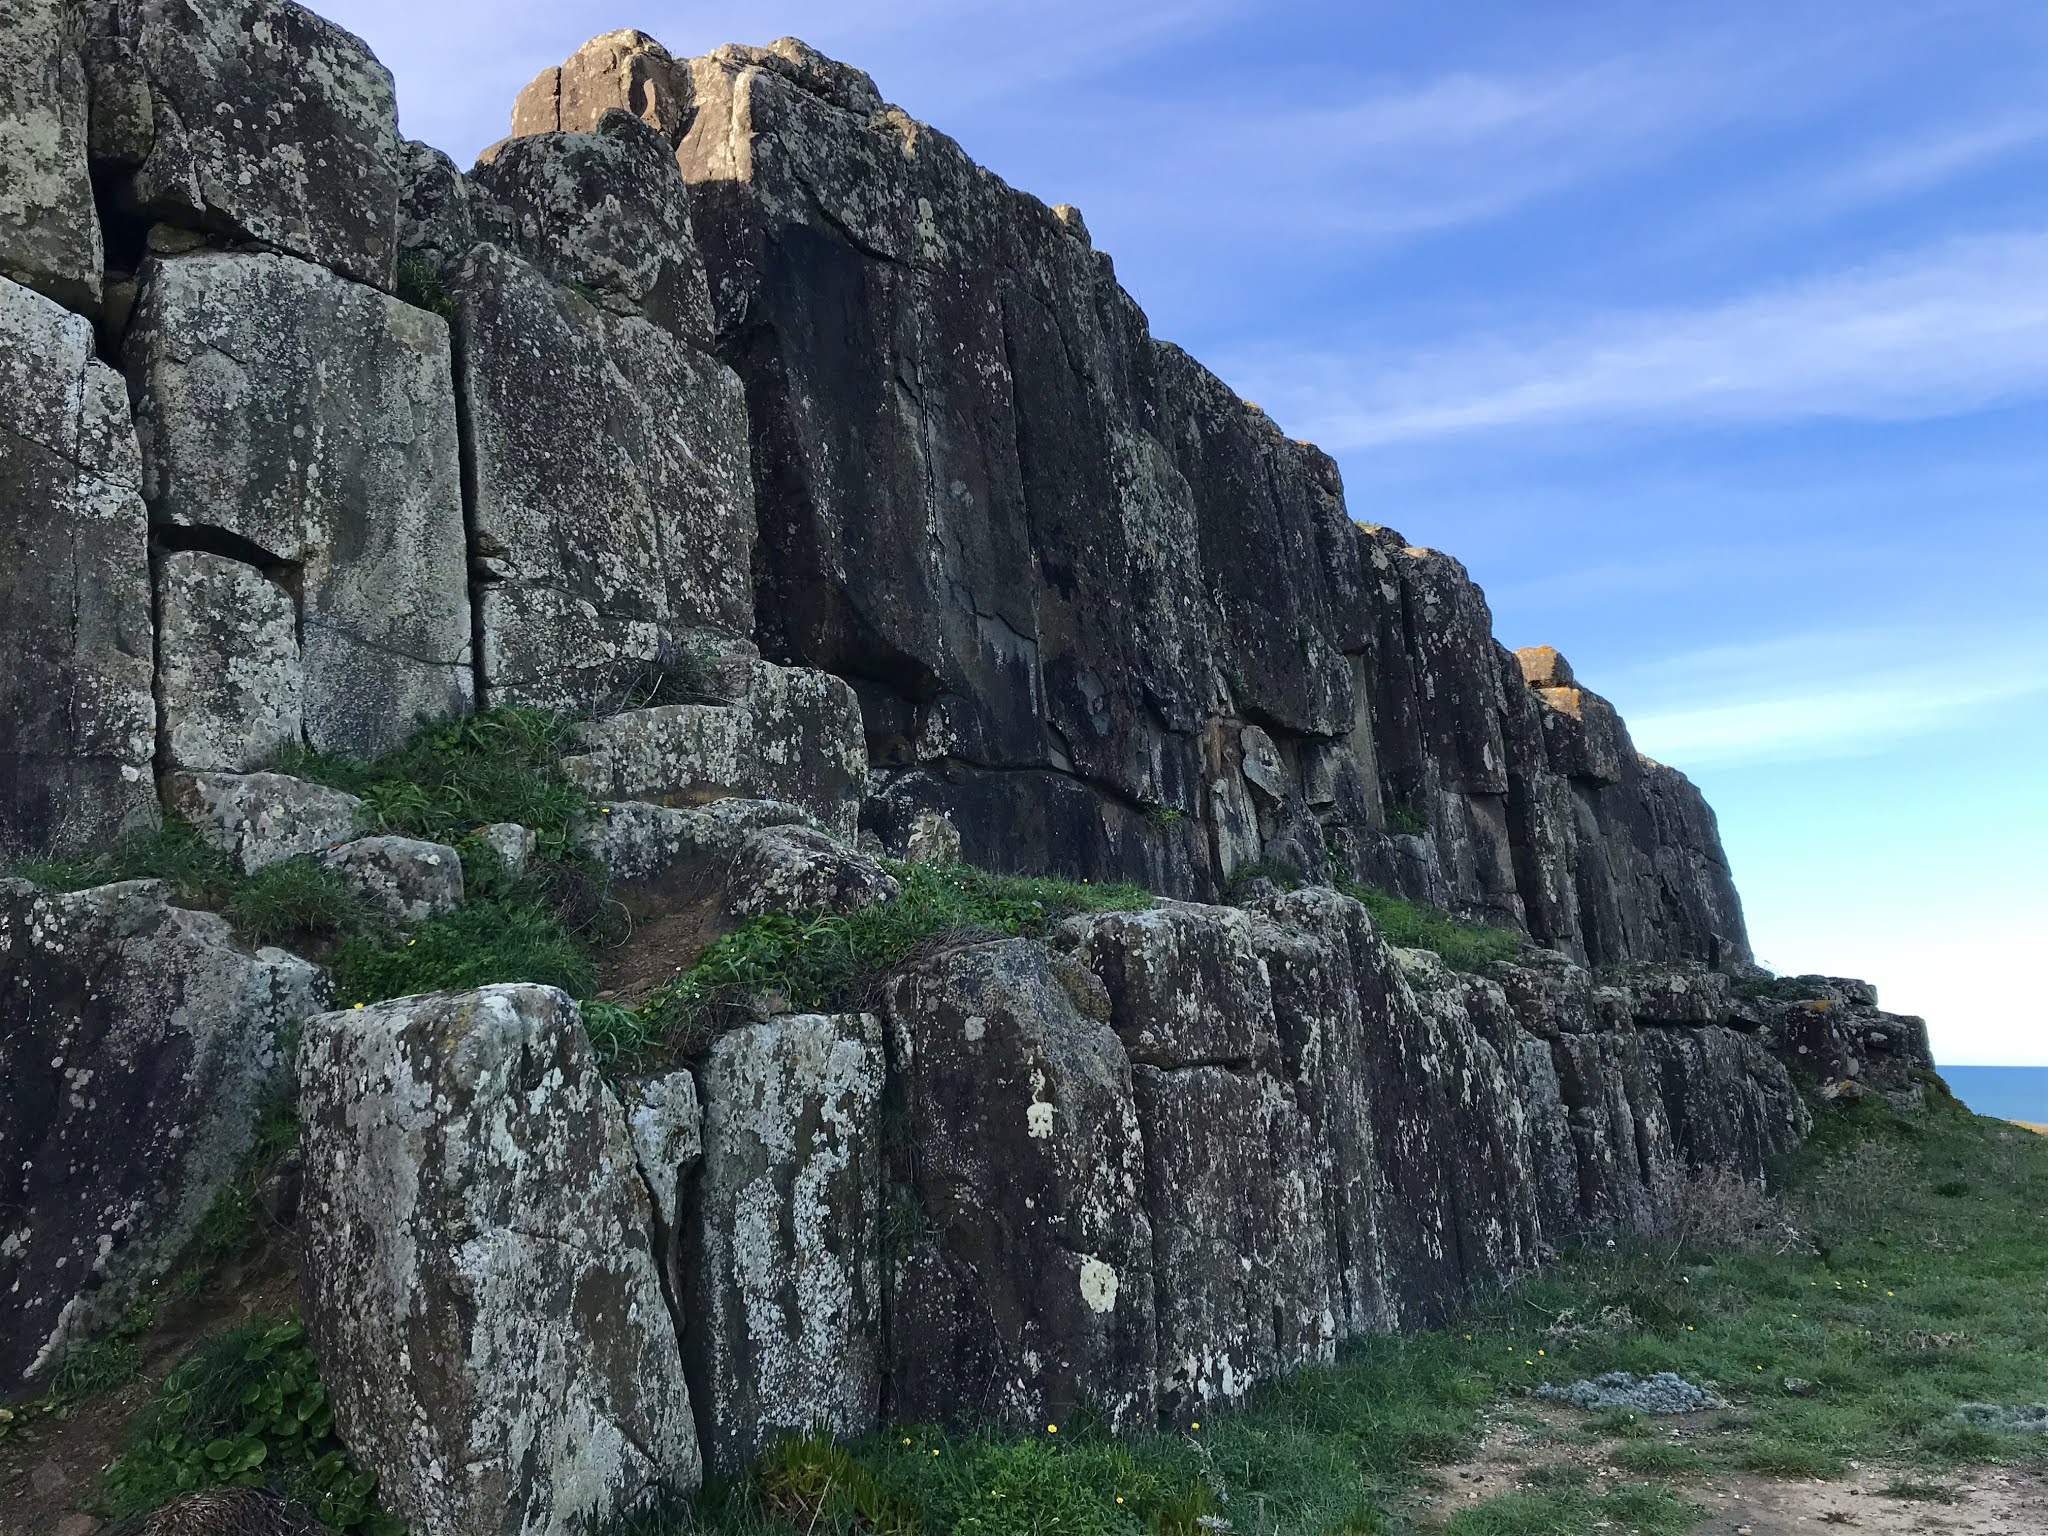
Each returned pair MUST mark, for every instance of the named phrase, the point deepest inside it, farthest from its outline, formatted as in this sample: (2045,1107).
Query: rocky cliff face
(819,475)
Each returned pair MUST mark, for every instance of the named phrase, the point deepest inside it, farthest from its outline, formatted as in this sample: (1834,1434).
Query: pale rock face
(405,878)
(49,230)
(1026,1289)
(626,70)
(800,869)
(267,123)
(598,569)
(120,1011)
(229,670)
(75,642)
(513,844)
(257,819)
(481,1288)
(797,737)
(237,362)
(1186,984)
(782,1242)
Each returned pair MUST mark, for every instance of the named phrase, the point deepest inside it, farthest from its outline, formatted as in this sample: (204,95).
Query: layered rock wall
(725,386)
(819,476)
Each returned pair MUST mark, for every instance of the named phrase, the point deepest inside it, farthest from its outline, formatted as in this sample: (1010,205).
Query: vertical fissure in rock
(479,573)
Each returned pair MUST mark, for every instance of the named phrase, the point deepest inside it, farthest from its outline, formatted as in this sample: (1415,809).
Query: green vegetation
(1898,1303)
(247,1408)
(419,284)
(1408,925)
(1409,823)
(829,962)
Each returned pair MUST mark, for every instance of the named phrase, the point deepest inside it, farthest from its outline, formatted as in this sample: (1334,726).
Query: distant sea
(2008,1093)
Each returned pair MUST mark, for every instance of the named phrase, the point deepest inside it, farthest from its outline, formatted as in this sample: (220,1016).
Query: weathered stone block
(49,230)
(604,211)
(237,363)
(404,878)
(782,1241)
(269,123)
(1240,1262)
(260,818)
(481,1286)
(75,640)
(623,69)
(1186,985)
(1024,1288)
(797,737)
(229,671)
(598,567)
(800,869)
(139,1045)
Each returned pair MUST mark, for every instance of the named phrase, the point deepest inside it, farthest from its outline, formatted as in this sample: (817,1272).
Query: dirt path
(1539,1445)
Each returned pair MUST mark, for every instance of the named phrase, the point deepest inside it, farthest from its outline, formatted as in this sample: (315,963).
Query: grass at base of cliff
(1901,1303)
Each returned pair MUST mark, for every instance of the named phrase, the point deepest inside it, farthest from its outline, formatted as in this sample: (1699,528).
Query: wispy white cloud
(1824,695)
(1941,331)
(1957,150)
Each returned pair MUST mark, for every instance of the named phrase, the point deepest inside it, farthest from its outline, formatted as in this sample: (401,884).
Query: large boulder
(607,578)
(1186,986)
(796,736)
(782,1240)
(139,1044)
(604,211)
(75,637)
(405,879)
(237,361)
(49,230)
(263,122)
(481,1284)
(258,819)
(1020,1267)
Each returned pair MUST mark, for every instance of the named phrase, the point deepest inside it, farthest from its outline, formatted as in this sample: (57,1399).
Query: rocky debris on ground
(1662,1393)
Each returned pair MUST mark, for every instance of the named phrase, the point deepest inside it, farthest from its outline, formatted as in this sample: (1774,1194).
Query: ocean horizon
(2006,1093)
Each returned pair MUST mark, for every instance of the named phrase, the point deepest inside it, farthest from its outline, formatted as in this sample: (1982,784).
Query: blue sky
(1712,337)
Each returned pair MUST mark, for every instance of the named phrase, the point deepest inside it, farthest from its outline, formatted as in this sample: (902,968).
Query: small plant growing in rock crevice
(1410,925)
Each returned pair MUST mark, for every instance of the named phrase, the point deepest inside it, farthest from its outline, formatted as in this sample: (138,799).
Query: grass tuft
(1409,925)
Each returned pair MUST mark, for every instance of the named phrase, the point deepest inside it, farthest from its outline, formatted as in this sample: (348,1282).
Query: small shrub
(247,1409)
(1406,822)
(1713,1212)
(420,285)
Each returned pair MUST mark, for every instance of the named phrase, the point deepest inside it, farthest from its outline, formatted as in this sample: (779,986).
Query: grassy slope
(1923,1288)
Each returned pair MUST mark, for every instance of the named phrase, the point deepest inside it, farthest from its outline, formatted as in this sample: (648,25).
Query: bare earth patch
(1533,1446)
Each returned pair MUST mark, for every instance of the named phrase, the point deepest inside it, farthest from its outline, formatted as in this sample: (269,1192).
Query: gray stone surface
(229,672)
(266,123)
(605,212)
(260,818)
(120,1013)
(49,230)
(236,361)
(600,569)
(796,737)
(481,1286)
(1187,987)
(1022,1288)
(625,69)
(403,878)
(782,1241)
(513,844)
(75,647)
(800,869)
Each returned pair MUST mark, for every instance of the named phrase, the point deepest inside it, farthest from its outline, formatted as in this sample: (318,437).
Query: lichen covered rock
(237,361)
(782,1240)
(481,1287)
(1021,1283)
(405,879)
(75,644)
(230,673)
(258,819)
(118,1010)
(49,230)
